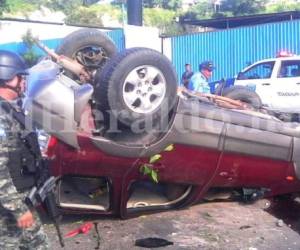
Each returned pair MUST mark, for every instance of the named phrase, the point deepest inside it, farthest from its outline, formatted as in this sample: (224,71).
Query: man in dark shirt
(186,76)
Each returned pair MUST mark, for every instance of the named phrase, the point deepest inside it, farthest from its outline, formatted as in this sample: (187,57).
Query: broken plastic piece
(83,229)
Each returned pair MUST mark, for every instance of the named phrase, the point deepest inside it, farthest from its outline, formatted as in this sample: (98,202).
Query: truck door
(259,78)
(286,87)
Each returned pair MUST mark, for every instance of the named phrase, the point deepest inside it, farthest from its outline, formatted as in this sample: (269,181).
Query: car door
(259,78)
(286,87)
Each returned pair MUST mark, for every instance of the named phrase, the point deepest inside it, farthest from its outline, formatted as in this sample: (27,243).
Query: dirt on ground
(214,225)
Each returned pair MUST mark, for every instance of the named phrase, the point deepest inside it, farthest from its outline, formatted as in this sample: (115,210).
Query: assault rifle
(45,194)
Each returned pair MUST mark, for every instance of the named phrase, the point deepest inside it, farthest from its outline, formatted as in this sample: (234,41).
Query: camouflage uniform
(12,160)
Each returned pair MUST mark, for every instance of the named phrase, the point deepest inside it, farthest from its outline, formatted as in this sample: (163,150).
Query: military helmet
(11,65)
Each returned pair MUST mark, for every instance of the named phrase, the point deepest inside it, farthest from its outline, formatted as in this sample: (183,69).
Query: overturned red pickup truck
(127,143)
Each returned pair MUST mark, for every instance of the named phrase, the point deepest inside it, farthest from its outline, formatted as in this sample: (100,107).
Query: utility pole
(135,12)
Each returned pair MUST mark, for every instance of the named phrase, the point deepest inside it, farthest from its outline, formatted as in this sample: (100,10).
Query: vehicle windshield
(258,71)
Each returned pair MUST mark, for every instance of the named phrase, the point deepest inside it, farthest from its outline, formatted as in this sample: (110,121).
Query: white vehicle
(276,81)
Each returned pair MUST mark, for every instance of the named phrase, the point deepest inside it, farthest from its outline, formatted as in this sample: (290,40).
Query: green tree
(165,4)
(202,10)
(162,19)
(157,17)
(172,4)
(89,2)
(205,9)
(3,6)
(29,55)
(20,6)
(112,11)
(149,3)
(168,4)
(85,16)
(243,7)
(61,5)
(282,6)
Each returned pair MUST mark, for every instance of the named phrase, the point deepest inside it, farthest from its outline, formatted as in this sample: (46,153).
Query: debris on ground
(280,223)
(83,229)
(213,226)
(244,227)
(153,243)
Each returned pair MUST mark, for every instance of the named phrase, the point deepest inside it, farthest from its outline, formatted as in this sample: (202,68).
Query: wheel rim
(144,89)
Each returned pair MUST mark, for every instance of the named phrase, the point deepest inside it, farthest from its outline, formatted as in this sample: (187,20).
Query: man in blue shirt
(186,76)
(199,81)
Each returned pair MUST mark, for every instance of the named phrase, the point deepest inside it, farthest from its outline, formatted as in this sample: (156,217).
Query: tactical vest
(22,165)
(22,162)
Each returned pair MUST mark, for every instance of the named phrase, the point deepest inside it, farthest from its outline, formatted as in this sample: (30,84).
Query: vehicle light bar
(284,53)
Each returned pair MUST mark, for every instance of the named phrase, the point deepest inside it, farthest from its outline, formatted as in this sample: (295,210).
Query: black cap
(206,65)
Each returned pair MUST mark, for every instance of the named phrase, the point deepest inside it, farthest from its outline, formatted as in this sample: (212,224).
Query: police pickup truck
(275,81)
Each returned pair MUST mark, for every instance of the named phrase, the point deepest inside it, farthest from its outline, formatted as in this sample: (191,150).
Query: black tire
(110,84)
(243,94)
(87,41)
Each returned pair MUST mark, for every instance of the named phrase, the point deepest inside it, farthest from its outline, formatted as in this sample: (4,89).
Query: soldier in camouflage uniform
(20,228)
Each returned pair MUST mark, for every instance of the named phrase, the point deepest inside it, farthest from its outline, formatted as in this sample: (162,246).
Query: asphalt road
(215,225)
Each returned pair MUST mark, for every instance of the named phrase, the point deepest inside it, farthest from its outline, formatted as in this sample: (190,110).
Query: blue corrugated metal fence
(118,38)
(234,49)
(116,35)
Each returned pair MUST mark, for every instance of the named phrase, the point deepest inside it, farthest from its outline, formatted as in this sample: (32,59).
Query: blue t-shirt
(199,83)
